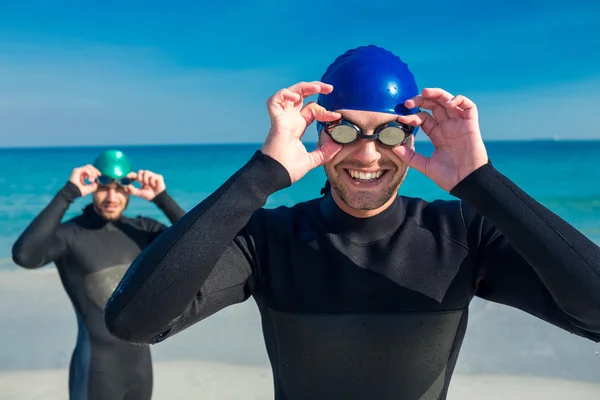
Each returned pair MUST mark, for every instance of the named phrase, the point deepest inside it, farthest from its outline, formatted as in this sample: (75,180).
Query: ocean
(564,176)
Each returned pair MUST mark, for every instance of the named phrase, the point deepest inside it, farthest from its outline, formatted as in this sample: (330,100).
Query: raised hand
(289,120)
(454,131)
(80,175)
(152,184)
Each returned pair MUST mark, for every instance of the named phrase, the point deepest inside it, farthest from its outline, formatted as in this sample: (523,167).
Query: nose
(366,151)
(112,194)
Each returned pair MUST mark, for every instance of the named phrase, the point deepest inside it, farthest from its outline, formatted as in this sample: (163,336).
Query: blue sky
(178,72)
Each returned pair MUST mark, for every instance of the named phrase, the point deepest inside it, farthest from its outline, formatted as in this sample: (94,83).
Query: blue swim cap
(369,78)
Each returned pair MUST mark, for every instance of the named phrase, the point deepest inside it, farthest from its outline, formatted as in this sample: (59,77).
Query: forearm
(165,282)
(37,243)
(566,261)
(168,206)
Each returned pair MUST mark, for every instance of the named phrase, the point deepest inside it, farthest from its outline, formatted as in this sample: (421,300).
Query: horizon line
(196,144)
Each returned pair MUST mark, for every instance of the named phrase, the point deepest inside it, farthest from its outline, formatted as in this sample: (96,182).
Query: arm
(530,258)
(170,208)
(200,265)
(41,243)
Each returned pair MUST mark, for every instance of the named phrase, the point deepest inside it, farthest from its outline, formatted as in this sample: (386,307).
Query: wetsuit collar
(95,219)
(362,230)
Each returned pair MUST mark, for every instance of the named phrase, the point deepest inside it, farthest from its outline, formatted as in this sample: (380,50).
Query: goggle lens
(107,180)
(392,136)
(343,134)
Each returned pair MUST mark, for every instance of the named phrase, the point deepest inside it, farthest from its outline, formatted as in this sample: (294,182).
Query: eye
(343,133)
(392,136)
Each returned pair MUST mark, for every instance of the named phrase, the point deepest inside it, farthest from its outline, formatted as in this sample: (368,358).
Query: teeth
(365,176)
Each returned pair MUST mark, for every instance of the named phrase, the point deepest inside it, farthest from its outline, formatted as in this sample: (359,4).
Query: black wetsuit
(91,256)
(355,308)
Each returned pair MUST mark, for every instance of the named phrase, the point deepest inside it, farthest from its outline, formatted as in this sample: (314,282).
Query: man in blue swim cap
(363,293)
(92,251)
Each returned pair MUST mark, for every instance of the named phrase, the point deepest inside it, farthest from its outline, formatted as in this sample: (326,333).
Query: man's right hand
(79,176)
(289,120)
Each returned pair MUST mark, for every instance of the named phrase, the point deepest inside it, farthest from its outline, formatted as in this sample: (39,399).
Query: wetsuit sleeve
(203,263)
(170,208)
(530,258)
(43,241)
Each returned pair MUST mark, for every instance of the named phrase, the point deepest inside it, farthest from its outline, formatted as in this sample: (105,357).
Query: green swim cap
(113,163)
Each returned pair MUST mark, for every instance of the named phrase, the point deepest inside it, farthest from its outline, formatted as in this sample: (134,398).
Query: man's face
(365,175)
(111,200)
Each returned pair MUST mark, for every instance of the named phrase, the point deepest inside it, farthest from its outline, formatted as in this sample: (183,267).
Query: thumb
(323,154)
(411,158)
(312,111)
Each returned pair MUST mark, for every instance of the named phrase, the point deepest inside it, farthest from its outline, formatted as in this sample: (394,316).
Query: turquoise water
(564,176)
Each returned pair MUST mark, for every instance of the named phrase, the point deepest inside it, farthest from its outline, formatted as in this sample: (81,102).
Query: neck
(99,215)
(362,229)
(360,213)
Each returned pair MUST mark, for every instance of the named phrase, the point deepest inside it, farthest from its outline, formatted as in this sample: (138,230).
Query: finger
(437,94)
(466,106)
(84,174)
(411,158)
(440,96)
(324,153)
(148,177)
(282,96)
(88,172)
(140,177)
(133,190)
(423,119)
(440,113)
(132,175)
(313,111)
(306,89)
(93,172)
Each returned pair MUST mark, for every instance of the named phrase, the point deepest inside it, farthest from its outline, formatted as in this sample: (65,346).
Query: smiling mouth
(362,176)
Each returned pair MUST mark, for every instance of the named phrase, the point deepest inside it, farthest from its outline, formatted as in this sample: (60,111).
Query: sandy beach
(506,354)
(210,380)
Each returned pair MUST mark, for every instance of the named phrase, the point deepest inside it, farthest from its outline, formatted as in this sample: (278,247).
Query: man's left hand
(152,184)
(453,129)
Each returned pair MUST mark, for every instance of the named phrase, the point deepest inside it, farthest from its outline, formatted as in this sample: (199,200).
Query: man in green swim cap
(92,252)
(111,178)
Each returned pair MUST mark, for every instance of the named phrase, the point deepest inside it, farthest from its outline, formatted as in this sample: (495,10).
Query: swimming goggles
(391,134)
(107,180)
